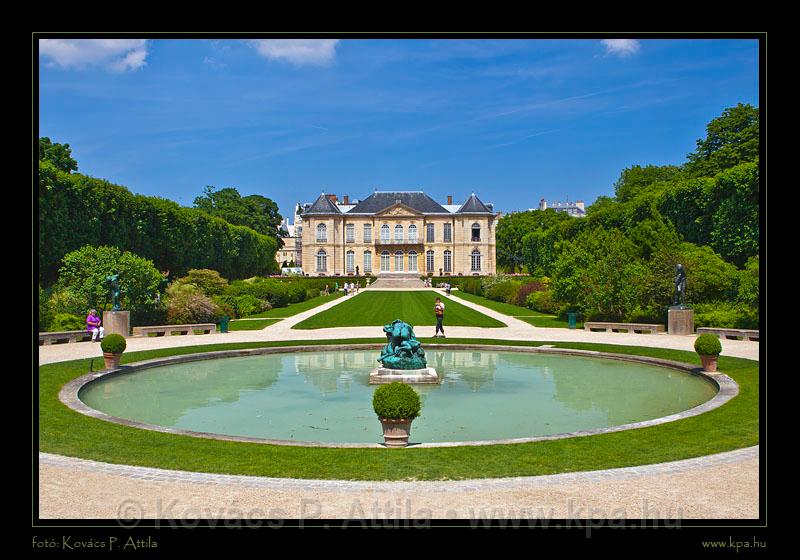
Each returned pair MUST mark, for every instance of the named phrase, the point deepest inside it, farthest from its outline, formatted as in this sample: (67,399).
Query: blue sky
(511,120)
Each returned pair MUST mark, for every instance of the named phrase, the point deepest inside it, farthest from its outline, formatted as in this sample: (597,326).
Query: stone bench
(64,336)
(168,330)
(731,334)
(629,327)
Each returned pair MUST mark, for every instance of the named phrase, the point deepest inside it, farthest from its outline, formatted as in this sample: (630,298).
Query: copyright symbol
(129,513)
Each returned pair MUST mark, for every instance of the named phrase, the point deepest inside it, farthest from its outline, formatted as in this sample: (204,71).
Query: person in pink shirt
(93,326)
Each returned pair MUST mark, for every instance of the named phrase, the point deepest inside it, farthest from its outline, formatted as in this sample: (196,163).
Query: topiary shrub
(707,345)
(114,344)
(396,401)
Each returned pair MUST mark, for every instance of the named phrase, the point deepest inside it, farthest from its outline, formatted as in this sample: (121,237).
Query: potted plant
(396,405)
(113,346)
(709,348)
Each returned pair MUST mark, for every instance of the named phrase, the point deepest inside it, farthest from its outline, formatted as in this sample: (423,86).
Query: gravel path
(719,486)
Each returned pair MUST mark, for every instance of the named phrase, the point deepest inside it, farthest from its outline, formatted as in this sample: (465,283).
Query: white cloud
(297,51)
(114,54)
(621,47)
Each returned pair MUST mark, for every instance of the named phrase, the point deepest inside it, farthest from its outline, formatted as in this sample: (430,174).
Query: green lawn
(251,325)
(522,313)
(295,308)
(66,432)
(375,308)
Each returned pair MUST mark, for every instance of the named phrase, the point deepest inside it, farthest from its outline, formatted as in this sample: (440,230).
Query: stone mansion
(396,232)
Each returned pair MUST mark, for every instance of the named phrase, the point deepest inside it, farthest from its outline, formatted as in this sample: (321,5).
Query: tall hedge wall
(75,210)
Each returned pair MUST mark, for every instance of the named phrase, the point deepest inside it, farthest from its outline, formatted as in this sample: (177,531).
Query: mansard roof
(473,205)
(323,205)
(381,200)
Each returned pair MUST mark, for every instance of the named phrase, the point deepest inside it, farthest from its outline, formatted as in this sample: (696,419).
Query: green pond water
(325,396)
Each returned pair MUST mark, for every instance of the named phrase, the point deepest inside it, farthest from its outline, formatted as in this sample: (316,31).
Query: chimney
(346,199)
(449,199)
(331,197)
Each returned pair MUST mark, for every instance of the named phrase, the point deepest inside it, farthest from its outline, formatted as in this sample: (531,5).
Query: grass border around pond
(731,426)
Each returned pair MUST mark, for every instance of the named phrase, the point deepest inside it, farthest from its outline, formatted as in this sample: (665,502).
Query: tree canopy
(60,155)
(254,211)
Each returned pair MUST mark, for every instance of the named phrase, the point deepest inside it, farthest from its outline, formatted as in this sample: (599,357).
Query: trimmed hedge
(76,210)
(396,401)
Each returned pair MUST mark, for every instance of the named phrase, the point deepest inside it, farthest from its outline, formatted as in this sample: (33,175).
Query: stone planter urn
(111,360)
(709,363)
(396,432)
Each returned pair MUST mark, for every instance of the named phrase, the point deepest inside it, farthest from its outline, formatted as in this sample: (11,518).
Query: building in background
(576,209)
(397,232)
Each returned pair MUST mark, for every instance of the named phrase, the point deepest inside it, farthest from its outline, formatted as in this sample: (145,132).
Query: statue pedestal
(385,375)
(117,322)
(681,321)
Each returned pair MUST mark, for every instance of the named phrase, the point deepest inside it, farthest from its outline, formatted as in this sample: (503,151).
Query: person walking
(438,310)
(93,326)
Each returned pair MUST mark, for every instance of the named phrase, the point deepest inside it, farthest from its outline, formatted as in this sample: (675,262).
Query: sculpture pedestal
(117,322)
(681,321)
(385,375)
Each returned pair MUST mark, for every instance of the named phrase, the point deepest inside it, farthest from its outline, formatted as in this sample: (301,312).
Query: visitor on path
(358,286)
(93,326)
(447,288)
(327,291)
(345,288)
(438,309)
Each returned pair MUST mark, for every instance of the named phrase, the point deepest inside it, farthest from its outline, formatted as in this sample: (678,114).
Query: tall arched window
(386,260)
(350,233)
(385,232)
(322,261)
(475,260)
(322,233)
(448,261)
(398,232)
(429,266)
(476,232)
(367,261)
(412,261)
(412,233)
(398,261)
(350,261)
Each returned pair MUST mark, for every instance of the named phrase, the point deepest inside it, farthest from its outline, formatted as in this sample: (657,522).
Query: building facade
(576,209)
(397,232)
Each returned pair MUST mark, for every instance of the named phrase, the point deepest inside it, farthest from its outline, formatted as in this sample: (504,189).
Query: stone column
(681,321)
(118,322)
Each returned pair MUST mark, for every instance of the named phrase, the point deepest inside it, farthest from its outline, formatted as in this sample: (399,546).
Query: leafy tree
(636,179)
(208,281)
(60,155)
(84,274)
(45,312)
(511,229)
(595,273)
(735,233)
(749,279)
(731,139)
(254,211)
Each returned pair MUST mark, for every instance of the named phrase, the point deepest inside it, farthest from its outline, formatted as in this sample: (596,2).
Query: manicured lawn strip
(522,313)
(732,426)
(295,308)
(254,325)
(499,306)
(376,308)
